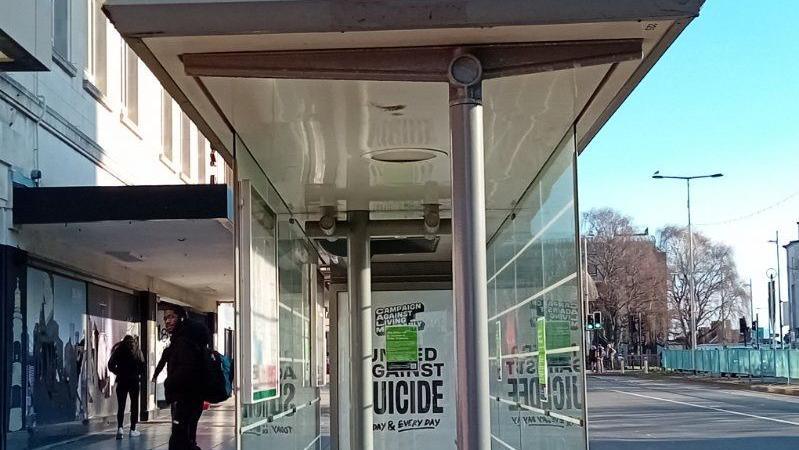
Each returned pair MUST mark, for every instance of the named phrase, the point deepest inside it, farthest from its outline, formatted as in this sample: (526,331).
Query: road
(630,414)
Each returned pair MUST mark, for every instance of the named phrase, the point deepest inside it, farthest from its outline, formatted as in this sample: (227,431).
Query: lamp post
(751,308)
(691,281)
(776,242)
(772,306)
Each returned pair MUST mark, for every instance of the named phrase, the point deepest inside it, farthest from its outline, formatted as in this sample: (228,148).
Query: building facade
(82,120)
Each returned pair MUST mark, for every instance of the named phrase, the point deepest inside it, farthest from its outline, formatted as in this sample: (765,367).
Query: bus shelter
(406,175)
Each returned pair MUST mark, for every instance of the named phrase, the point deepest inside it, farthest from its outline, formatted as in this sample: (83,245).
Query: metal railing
(763,362)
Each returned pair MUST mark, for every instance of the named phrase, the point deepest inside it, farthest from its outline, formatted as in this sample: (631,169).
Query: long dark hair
(131,344)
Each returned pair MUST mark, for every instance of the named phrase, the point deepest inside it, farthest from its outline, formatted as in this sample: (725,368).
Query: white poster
(415,408)
(259,299)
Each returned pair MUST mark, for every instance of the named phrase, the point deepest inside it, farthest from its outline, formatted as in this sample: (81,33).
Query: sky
(724,98)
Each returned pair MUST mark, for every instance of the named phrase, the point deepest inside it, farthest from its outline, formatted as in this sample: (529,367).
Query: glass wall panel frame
(535,307)
(291,419)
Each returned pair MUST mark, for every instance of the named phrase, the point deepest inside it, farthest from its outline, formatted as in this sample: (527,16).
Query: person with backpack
(186,375)
(127,363)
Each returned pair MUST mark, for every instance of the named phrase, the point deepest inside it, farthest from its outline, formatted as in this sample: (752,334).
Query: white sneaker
(134,433)
(120,431)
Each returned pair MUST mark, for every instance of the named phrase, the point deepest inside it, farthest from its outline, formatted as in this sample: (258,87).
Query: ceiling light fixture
(398,155)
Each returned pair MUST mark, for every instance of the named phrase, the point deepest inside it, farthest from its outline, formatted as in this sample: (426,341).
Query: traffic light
(742,325)
(589,322)
(597,320)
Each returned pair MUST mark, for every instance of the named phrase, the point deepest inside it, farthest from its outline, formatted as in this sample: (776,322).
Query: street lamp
(751,306)
(691,282)
(776,242)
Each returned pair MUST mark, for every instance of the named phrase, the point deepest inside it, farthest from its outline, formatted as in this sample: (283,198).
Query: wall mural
(16,416)
(56,336)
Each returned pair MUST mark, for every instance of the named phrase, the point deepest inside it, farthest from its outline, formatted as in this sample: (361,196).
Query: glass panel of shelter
(290,417)
(532,286)
(533,294)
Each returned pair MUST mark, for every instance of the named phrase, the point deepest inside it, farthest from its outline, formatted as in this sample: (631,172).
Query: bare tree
(630,274)
(720,294)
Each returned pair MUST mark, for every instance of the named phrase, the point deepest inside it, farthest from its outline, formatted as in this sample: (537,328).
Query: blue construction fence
(766,362)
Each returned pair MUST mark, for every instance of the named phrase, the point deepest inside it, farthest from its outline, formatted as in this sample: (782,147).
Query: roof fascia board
(152,18)
(632,82)
(412,63)
(81,204)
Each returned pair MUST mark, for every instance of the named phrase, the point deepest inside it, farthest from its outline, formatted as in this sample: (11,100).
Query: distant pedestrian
(612,356)
(185,375)
(600,358)
(127,363)
(592,358)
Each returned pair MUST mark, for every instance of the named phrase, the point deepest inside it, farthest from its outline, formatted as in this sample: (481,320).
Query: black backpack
(219,377)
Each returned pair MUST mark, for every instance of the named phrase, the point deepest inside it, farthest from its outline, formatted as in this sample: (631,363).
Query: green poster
(543,369)
(402,347)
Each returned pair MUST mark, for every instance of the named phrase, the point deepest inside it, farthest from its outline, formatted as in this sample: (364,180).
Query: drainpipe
(36,173)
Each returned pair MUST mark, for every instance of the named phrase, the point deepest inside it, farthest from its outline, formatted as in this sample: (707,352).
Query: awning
(179,234)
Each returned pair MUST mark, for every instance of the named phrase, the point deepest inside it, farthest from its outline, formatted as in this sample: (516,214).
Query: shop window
(111,315)
(61,27)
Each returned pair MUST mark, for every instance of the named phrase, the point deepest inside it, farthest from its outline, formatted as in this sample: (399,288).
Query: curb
(782,390)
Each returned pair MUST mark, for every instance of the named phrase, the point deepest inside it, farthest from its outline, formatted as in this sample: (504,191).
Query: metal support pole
(360,288)
(586,305)
(779,286)
(757,333)
(691,281)
(751,312)
(469,254)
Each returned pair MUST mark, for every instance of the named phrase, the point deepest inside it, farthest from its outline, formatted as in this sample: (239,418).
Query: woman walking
(127,363)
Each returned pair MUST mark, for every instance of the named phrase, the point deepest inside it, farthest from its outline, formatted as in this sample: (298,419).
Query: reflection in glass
(290,421)
(535,316)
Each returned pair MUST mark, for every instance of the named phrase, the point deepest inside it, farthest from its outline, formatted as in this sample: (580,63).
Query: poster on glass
(259,300)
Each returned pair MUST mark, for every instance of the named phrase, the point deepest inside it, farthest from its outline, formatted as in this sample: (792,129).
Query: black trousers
(125,390)
(185,416)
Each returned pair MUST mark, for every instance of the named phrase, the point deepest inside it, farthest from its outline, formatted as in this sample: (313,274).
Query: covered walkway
(216,431)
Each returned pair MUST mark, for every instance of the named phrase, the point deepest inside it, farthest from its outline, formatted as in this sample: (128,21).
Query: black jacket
(128,367)
(186,361)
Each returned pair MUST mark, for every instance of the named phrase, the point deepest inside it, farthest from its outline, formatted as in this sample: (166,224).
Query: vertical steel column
(469,253)
(359,275)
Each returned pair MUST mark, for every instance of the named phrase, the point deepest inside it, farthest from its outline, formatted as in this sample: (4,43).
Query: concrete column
(469,254)
(359,274)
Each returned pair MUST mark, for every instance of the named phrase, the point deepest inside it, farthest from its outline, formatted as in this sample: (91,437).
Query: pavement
(215,431)
(632,413)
